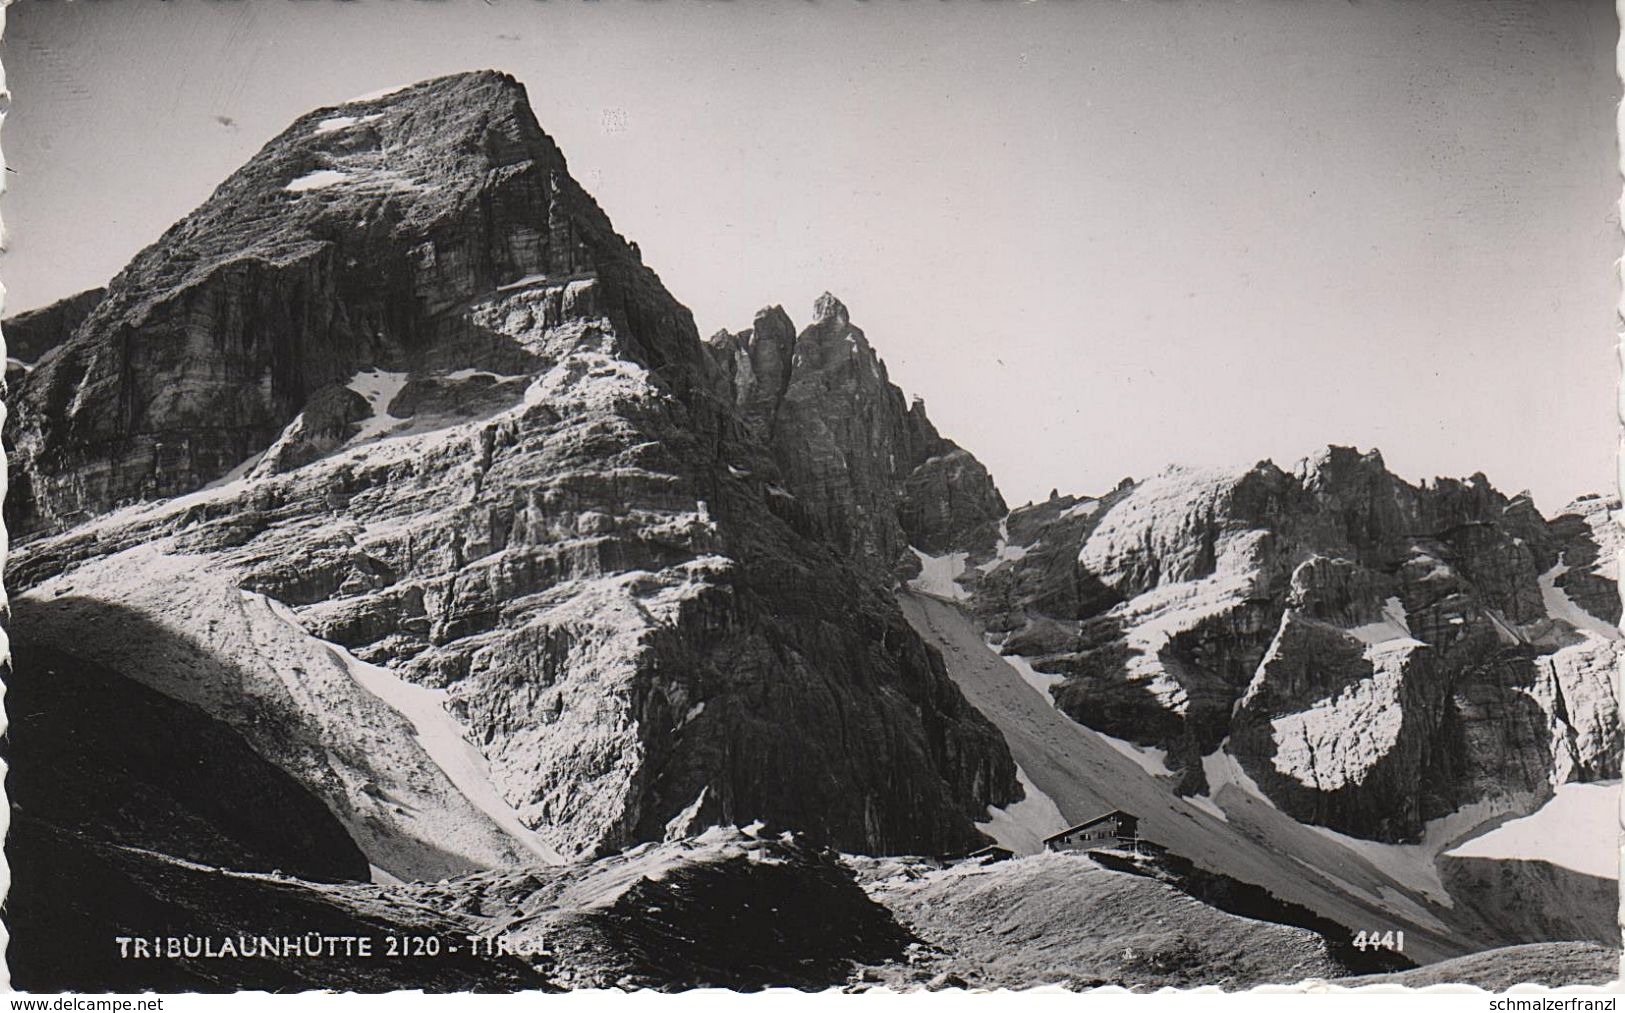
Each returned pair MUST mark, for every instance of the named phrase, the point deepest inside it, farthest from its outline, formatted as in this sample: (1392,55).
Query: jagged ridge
(1376,654)
(865,468)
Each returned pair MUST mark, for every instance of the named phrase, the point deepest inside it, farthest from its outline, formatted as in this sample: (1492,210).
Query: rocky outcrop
(32,335)
(948,500)
(867,471)
(354,239)
(756,363)
(728,908)
(1587,567)
(1349,729)
(400,383)
(1375,654)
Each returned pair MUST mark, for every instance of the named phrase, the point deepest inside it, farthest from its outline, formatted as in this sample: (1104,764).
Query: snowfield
(1088,508)
(937,575)
(379,388)
(1044,682)
(318,180)
(1221,769)
(334,124)
(1151,760)
(1560,606)
(470,374)
(1578,829)
(1022,826)
(436,731)
(526,282)
(1394,625)
(372,96)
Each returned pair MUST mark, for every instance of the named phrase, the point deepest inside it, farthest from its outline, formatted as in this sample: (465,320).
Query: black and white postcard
(537,496)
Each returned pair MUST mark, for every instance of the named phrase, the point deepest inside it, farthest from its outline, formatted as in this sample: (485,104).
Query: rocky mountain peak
(1333,466)
(755,363)
(832,345)
(397,408)
(431,213)
(865,465)
(827,309)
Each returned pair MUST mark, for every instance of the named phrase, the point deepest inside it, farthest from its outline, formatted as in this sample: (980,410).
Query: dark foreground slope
(1551,964)
(726,910)
(73,897)
(107,759)
(1062,919)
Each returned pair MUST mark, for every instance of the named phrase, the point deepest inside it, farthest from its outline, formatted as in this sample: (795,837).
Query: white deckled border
(5,604)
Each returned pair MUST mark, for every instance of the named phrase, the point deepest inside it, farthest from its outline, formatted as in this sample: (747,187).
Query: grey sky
(1096,237)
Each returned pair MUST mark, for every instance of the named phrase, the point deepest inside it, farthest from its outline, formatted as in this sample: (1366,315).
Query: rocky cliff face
(1375,654)
(32,336)
(866,471)
(398,413)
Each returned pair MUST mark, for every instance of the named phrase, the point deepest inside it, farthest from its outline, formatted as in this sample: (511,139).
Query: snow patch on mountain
(372,96)
(1207,805)
(1415,866)
(1577,829)
(317,180)
(526,282)
(333,124)
(470,374)
(683,824)
(1044,682)
(1560,606)
(1022,826)
(1088,508)
(1394,624)
(937,575)
(1221,769)
(245,467)
(439,735)
(379,388)
(1003,551)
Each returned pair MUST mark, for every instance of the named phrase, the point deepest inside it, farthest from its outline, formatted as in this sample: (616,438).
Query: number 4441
(1380,941)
